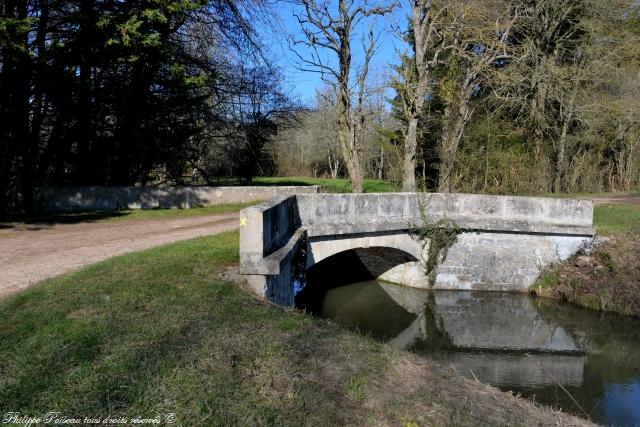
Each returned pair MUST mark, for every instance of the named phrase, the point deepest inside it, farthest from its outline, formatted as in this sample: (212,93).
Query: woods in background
(97,92)
(493,96)
(520,96)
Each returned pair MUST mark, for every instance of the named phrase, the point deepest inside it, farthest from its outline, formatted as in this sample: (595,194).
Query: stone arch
(323,247)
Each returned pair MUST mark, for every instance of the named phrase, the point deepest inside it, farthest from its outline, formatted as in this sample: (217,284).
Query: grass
(588,196)
(329,185)
(618,218)
(159,332)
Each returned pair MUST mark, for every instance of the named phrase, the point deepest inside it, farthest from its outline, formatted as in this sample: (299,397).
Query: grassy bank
(159,332)
(608,278)
(339,185)
(616,219)
(331,185)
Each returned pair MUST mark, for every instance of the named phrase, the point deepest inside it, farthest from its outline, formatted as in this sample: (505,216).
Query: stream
(582,361)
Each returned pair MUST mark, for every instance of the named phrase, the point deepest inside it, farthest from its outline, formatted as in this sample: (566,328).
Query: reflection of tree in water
(490,335)
(434,336)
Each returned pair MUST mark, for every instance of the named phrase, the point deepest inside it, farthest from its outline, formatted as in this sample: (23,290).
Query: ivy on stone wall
(437,236)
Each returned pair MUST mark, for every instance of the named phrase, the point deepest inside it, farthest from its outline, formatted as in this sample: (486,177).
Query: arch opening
(347,267)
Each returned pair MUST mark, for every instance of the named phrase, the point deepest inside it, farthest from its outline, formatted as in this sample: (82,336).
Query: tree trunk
(353,163)
(424,172)
(561,164)
(21,119)
(86,173)
(330,165)
(409,158)
(421,32)
(381,164)
(538,113)
(455,122)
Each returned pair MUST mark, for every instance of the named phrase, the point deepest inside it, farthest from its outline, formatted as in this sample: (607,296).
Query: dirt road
(33,253)
(631,200)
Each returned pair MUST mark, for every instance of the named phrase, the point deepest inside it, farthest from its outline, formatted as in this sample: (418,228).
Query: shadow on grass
(44,220)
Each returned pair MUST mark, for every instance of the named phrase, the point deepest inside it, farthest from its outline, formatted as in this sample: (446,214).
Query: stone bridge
(505,241)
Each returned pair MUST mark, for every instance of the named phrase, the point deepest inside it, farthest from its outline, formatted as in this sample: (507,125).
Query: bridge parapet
(506,240)
(469,211)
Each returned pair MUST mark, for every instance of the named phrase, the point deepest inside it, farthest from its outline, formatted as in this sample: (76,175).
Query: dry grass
(608,279)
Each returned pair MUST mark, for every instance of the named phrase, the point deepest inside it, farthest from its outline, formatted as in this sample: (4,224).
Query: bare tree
(331,31)
(428,43)
(480,45)
(311,147)
(551,32)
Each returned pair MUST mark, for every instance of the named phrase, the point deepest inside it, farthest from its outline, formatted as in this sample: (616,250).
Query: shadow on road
(41,221)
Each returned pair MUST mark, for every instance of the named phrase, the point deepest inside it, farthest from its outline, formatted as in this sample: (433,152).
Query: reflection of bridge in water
(486,334)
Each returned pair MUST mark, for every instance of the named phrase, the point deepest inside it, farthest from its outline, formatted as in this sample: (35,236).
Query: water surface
(547,351)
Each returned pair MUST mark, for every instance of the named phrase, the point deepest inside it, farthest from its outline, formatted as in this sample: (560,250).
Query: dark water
(513,341)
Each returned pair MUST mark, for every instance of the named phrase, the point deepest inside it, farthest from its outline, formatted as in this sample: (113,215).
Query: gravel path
(36,252)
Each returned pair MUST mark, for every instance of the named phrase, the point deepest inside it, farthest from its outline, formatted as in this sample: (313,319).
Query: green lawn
(158,332)
(330,185)
(590,195)
(616,218)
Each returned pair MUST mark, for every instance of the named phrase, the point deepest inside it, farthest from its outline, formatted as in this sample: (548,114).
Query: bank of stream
(582,361)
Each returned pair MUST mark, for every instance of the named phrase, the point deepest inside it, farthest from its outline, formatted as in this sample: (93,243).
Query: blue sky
(302,85)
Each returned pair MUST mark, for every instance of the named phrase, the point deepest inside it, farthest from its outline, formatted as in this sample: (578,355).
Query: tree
(608,100)
(479,48)
(427,41)
(458,47)
(260,109)
(325,30)
(551,33)
(117,93)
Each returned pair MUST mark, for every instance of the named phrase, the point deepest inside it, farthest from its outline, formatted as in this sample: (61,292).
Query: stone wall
(52,199)
(491,261)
